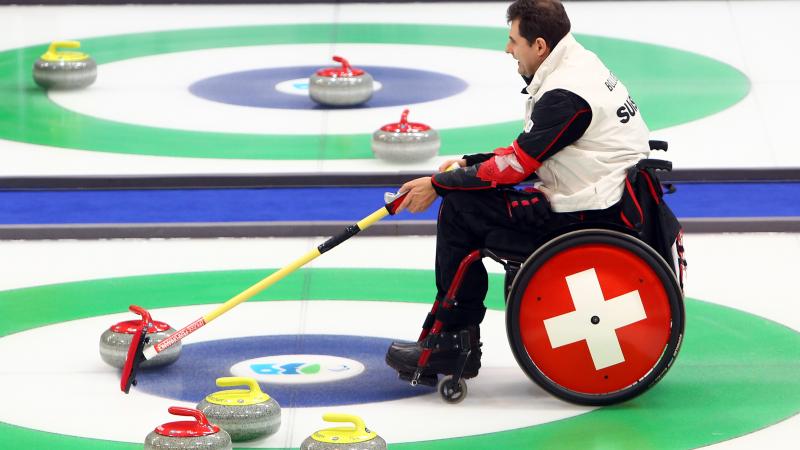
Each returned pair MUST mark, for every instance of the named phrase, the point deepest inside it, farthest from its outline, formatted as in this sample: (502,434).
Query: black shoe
(403,357)
(403,344)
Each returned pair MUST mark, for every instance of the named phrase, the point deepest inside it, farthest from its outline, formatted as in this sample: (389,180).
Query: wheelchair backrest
(645,212)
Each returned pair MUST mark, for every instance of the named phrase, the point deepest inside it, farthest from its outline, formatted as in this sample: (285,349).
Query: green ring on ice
(671,86)
(737,373)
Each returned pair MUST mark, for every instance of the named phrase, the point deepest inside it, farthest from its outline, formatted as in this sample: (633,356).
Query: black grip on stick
(348,232)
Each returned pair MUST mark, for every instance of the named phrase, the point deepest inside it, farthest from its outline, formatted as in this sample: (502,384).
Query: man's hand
(420,195)
(445,166)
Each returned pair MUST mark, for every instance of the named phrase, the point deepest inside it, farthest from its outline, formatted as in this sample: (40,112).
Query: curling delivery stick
(139,351)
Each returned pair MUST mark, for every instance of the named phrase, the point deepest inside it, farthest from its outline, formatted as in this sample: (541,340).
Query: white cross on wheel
(595,319)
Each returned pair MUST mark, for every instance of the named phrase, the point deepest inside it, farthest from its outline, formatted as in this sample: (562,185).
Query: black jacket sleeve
(560,117)
(477,158)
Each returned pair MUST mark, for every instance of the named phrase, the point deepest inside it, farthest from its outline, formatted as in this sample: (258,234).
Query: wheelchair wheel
(595,317)
(450,391)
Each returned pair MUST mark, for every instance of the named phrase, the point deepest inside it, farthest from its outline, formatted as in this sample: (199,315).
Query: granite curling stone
(64,69)
(340,86)
(188,435)
(344,438)
(244,413)
(115,342)
(405,141)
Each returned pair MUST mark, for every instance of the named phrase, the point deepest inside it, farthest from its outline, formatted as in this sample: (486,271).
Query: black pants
(467,219)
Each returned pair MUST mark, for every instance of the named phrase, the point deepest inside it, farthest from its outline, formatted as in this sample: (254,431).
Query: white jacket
(589,173)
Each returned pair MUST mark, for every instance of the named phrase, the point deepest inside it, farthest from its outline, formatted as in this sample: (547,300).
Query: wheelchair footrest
(448,341)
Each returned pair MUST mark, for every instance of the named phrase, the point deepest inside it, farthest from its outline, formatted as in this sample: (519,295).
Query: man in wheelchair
(583,137)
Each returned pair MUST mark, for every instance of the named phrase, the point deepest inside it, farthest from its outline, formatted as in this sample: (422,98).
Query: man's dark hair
(544,19)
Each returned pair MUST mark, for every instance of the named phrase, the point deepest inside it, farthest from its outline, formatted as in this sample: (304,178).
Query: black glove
(527,207)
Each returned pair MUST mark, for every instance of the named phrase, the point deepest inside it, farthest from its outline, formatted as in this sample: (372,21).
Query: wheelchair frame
(519,269)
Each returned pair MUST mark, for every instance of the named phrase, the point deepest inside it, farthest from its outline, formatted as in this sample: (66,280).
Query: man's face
(529,56)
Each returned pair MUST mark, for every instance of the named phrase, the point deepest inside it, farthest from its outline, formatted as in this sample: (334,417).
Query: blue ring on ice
(257,88)
(194,375)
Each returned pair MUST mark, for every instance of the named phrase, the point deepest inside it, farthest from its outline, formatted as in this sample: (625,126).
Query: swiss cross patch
(595,318)
(600,335)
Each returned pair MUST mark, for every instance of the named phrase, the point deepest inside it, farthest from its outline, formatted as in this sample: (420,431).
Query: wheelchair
(595,314)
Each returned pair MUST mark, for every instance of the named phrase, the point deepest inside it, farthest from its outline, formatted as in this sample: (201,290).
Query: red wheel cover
(595,318)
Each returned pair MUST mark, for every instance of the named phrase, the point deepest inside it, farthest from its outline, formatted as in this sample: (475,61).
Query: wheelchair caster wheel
(451,391)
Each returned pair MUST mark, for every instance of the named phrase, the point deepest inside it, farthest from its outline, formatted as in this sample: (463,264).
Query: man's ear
(541,46)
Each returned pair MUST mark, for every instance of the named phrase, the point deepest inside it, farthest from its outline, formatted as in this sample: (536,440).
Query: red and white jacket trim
(509,165)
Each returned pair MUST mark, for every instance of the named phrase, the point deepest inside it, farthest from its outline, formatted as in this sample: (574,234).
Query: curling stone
(344,438)
(115,341)
(64,69)
(405,141)
(340,86)
(244,413)
(188,435)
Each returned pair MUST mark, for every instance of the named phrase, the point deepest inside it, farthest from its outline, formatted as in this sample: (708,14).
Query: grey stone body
(114,349)
(340,91)
(64,74)
(216,441)
(405,147)
(244,422)
(376,443)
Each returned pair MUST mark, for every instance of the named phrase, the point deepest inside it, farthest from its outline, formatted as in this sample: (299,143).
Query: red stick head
(136,350)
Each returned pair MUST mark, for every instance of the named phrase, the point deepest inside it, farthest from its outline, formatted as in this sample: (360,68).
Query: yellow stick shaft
(367,222)
(248,293)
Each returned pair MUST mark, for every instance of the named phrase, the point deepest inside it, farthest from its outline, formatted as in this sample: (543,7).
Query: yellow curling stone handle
(238,397)
(344,435)
(54,54)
